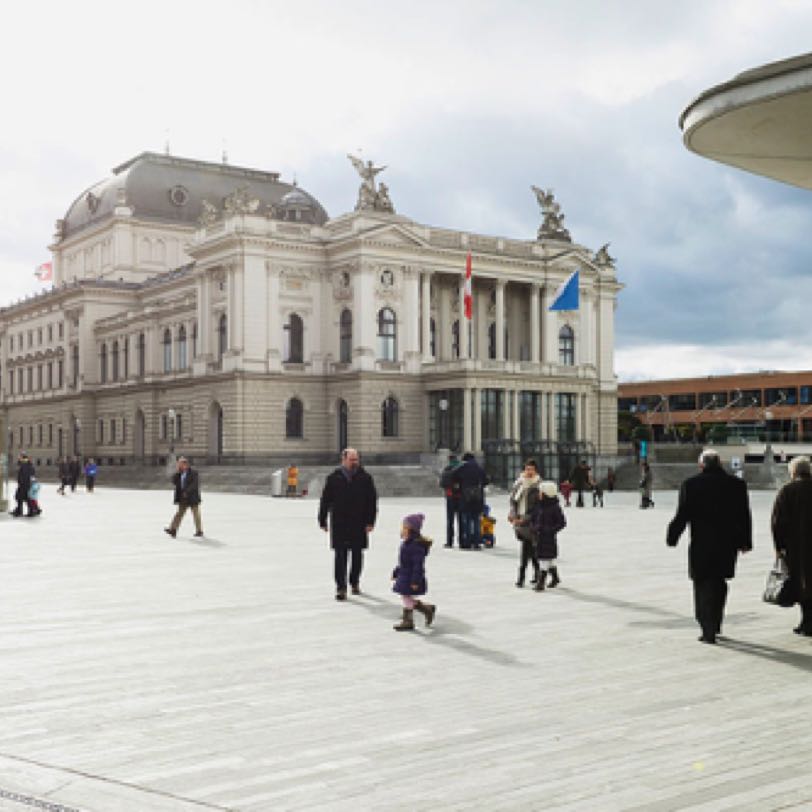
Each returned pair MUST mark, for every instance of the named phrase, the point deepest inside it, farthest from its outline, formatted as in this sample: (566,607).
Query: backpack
(447,479)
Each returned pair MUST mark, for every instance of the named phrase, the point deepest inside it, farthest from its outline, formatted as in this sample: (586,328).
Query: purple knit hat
(414,521)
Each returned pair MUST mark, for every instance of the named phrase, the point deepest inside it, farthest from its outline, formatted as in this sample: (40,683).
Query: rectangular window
(50,374)
(60,372)
(39,434)
(39,377)
(565,416)
(712,400)
(101,431)
(11,382)
(627,404)
(61,330)
(781,396)
(30,376)
(806,394)
(112,432)
(50,434)
(682,403)
(50,333)
(529,416)
(492,407)
(178,426)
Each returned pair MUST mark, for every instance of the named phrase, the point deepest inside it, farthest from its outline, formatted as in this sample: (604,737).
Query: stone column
(466,419)
(535,333)
(425,314)
(443,324)
(364,319)
(500,320)
(412,322)
(274,329)
(251,287)
(549,327)
(464,323)
(477,420)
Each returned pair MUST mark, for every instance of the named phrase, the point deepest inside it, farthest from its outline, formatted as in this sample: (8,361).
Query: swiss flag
(468,294)
(45,272)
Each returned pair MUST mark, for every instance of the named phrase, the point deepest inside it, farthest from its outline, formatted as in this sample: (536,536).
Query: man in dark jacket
(471,480)
(451,490)
(25,473)
(580,480)
(187,496)
(350,501)
(716,506)
(792,536)
(74,471)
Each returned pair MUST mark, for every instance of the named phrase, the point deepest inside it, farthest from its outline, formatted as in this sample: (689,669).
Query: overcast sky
(468,103)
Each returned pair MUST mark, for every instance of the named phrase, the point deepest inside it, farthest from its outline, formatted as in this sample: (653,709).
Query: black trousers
(710,596)
(528,555)
(356,561)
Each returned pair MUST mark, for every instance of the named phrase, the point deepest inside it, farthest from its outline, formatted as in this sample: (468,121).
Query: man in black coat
(25,473)
(351,502)
(716,506)
(187,496)
(471,480)
(74,470)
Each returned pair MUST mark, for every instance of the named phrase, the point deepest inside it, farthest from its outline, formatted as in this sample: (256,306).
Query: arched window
(102,364)
(492,340)
(167,350)
(115,360)
(142,354)
(345,337)
(387,334)
(222,336)
(182,347)
(389,417)
(294,419)
(294,331)
(455,339)
(566,346)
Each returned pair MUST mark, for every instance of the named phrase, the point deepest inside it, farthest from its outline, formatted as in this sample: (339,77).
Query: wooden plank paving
(144,673)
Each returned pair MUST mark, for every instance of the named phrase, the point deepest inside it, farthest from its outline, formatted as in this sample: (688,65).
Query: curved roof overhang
(760,121)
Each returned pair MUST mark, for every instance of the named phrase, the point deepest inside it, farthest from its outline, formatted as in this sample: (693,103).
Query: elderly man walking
(350,501)
(716,506)
(187,496)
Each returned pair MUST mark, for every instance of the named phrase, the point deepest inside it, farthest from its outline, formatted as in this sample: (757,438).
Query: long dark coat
(410,573)
(547,520)
(352,505)
(471,479)
(792,532)
(25,473)
(716,506)
(189,494)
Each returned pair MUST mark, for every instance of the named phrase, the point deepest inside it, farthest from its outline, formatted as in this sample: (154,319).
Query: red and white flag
(45,272)
(468,296)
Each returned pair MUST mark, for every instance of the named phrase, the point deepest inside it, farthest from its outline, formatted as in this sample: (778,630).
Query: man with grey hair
(792,536)
(716,506)
(350,502)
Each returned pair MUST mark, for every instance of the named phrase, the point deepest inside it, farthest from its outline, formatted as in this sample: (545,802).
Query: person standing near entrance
(452,501)
(471,479)
(91,469)
(580,481)
(716,506)
(350,502)
(64,475)
(187,496)
(74,470)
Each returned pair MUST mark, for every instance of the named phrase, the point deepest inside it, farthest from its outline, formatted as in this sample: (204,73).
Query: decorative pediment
(395,234)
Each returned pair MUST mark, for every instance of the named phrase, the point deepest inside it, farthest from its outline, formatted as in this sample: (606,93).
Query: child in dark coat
(546,520)
(410,574)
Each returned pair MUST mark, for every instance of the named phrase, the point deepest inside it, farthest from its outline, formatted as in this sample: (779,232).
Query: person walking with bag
(716,506)
(792,535)
(187,497)
(523,497)
(547,520)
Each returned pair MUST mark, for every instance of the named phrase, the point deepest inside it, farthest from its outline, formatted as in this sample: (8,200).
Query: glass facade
(565,416)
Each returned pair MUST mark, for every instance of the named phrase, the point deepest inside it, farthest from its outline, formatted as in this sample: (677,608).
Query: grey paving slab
(144,673)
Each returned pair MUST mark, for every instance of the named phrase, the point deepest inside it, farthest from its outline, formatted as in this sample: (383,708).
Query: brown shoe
(170,532)
(356,590)
(341,595)
(407,623)
(428,610)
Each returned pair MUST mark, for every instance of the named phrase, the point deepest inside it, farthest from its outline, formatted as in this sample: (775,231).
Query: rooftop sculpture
(552,224)
(370,197)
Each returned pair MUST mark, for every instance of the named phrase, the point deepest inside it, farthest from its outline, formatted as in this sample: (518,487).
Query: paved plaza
(146,674)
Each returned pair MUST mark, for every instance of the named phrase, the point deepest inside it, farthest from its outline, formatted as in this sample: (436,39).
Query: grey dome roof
(168,189)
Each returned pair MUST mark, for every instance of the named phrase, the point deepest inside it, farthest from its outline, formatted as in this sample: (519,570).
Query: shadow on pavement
(206,542)
(440,633)
(775,655)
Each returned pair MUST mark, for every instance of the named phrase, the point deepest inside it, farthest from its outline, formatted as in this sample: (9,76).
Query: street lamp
(443,438)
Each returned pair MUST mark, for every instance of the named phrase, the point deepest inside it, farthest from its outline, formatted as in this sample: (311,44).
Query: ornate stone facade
(235,321)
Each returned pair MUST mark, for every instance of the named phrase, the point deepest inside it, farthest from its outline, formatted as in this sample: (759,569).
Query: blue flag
(566,297)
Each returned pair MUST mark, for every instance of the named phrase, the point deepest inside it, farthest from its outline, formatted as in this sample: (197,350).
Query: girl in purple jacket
(410,574)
